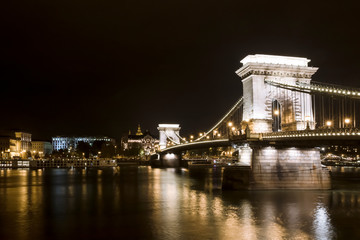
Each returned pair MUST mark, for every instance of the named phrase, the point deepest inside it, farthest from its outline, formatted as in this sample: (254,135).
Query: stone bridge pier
(270,167)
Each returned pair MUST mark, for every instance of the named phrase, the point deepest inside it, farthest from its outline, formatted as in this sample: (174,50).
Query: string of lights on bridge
(316,87)
(214,132)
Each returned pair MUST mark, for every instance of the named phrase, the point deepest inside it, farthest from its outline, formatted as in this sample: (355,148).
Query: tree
(107,150)
(83,149)
(96,147)
(134,151)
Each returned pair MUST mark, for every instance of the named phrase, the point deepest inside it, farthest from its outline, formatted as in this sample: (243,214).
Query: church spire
(139,133)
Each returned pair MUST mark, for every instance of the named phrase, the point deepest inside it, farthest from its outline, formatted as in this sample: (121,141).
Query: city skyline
(98,72)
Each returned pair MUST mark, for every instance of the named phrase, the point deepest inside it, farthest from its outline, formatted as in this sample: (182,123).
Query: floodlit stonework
(296,107)
(168,133)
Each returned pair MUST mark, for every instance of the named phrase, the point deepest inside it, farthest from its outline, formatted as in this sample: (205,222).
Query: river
(145,203)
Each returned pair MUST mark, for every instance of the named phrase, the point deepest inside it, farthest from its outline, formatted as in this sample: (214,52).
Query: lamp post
(277,120)
(214,133)
(347,122)
(307,119)
(230,124)
(328,124)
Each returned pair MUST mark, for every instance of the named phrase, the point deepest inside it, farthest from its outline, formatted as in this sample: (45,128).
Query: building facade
(41,148)
(15,144)
(146,142)
(71,143)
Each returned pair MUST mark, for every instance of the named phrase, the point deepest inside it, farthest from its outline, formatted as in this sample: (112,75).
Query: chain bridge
(277,125)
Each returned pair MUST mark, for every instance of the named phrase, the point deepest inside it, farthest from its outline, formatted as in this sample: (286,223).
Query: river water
(145,203)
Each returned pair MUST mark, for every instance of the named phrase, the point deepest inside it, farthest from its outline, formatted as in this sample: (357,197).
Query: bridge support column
(245,155)
(289,168)
(279,168)
(293,110)
(168,132)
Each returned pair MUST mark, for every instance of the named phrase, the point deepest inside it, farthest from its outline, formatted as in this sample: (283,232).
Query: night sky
(71,67)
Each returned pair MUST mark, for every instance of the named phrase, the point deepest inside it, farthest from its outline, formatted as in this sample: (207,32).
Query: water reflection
(322,225)
(145,203)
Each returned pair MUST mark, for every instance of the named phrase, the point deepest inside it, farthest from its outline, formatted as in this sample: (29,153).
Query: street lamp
(347,121)
(307,119)
(276,112)
(214,133)
(328,124)
(230,124)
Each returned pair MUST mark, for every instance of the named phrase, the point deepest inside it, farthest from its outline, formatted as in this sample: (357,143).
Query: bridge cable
(236,105)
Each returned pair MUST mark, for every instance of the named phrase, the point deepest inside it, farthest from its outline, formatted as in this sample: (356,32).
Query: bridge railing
(314,133)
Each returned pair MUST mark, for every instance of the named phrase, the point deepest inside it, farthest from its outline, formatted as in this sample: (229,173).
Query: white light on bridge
(328,123)
(347,120)
(273,59)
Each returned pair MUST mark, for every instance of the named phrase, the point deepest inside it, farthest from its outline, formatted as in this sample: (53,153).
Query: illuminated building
(72,142)
(41,148)
(23,141)
(145,141)
(15,144)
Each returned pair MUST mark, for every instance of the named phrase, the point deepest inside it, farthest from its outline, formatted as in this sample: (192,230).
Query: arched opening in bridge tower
(276,116)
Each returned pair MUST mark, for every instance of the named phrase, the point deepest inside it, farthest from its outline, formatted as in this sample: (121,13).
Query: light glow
(169,125)
(274,59)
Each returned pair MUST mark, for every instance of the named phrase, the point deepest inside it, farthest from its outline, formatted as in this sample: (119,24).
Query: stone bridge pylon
(268,108)
(168,133)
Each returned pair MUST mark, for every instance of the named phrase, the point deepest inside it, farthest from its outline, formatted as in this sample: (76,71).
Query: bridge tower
(265,104)
(168,132)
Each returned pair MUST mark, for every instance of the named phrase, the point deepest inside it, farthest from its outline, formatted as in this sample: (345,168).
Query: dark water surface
(145,203)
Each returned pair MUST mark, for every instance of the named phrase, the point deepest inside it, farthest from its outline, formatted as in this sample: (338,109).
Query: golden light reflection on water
(322,224)
(161,204)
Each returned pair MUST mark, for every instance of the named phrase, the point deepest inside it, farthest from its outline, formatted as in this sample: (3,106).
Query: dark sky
(71,67)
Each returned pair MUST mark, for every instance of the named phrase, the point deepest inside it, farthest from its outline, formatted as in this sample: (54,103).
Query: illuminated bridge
(278,123)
